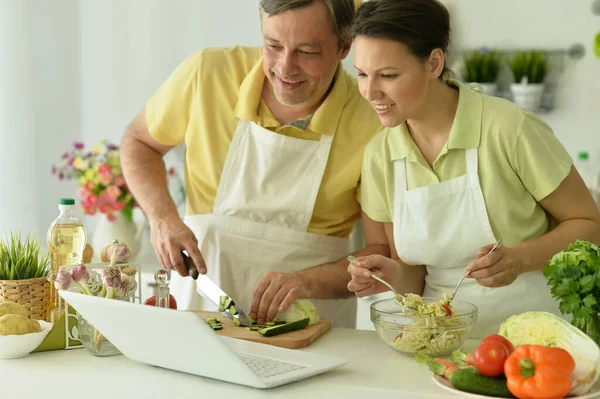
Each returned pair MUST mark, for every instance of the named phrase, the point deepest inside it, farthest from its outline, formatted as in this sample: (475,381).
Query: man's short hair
(341,12)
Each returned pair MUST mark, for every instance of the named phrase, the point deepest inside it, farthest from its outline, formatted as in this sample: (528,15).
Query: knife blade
(211,291)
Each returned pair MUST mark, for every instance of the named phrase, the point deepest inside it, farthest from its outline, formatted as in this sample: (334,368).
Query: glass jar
(94,342)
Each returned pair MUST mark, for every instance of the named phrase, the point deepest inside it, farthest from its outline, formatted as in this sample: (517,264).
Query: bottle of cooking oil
(66,241)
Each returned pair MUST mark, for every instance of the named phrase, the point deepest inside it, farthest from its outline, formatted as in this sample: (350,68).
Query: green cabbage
(542,328)
(298,310)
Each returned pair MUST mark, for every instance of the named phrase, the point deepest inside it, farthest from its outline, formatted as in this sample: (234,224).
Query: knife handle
(189,263)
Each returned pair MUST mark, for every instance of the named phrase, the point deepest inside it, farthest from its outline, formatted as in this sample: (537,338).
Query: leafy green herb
(482,66)
(20,260)
(574,279)
(532,64)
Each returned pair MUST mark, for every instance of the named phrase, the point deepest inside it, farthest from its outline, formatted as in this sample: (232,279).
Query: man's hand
(169,239)
(362,284)
(496,269)
(275,293)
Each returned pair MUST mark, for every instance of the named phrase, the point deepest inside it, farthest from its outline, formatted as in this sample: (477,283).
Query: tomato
(448,310)
(489,358)
(499,338)
(152,301)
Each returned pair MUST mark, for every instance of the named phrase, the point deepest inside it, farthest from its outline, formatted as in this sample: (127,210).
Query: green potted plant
(529,70)
(482,67)
(24,274)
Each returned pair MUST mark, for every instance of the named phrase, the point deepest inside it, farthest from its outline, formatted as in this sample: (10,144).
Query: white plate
(445,384)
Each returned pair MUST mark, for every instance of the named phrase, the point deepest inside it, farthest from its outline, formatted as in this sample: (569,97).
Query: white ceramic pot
(528,95)
(121,229)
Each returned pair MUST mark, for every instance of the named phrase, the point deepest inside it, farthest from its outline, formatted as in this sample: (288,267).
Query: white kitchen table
(374,371)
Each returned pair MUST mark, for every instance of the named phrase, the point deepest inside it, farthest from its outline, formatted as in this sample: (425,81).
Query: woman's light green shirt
(520,163)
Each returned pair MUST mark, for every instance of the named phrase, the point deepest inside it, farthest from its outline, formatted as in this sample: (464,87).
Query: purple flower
(78,145)
(80,273)
(61,176)
(53,169)
(111,147)
(63,280)
(65,155)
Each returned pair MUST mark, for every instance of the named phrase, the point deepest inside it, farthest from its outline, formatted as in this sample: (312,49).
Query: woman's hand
(362,284)
(496,269)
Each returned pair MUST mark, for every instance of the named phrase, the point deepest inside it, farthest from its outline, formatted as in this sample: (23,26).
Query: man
(274,141)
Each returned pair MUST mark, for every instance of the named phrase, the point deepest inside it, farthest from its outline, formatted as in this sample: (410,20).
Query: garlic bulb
(116,252)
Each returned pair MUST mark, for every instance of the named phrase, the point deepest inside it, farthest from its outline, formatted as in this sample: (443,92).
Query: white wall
(545,24)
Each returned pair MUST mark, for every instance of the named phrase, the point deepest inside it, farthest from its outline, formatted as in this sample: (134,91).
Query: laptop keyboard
(265,367)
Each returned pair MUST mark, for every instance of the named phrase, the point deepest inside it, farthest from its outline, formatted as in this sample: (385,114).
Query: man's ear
(436,62)
(345,49)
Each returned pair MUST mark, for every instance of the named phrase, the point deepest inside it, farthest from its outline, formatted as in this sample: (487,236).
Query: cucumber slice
(283,328)
(216,327)
(253,328)
(270,324)
(233,310)
(237,322)
(211,320)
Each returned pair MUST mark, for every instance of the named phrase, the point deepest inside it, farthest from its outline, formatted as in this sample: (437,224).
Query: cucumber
(237,322)
(283,328)
(211,320)
(471,380)
(216,327)
(270,324)
(233,310)
(253,328)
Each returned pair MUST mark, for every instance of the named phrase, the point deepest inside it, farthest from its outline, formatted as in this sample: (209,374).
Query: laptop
(188,344)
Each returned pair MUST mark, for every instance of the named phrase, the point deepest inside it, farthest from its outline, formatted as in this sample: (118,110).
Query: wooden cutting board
(291,340)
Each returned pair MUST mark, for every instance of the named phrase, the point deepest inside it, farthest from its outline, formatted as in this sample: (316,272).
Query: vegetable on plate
(546,329)
(539,372)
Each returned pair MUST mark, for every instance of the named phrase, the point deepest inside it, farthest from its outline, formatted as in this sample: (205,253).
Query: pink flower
(53,169)
(119,205)
(113,192)
(61,176)
(104,179)
(119,181)
(111,217)
(78,145)
(65,155)
(105,169)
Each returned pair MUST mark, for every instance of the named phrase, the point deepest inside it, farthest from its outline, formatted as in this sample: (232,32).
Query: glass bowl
(410,332)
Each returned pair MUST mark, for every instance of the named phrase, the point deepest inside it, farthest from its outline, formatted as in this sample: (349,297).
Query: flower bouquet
(116,281)
(102,186)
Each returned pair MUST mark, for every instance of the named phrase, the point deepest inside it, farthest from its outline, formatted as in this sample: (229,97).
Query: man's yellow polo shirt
(520,163)
(202,102)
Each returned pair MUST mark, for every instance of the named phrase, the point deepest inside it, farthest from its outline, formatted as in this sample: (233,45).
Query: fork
(466,274)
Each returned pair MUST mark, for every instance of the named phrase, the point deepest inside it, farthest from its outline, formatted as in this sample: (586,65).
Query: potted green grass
(529,70)
(24,274)
(482,67)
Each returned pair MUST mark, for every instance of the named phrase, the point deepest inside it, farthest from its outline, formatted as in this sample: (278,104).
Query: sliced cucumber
(237,322)
(211,320)
(270,324)
(283,328)
(233,310)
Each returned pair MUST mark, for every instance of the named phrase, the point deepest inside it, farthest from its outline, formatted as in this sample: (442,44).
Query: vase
(93,341)
(590,325)
(120,229)
(528,96)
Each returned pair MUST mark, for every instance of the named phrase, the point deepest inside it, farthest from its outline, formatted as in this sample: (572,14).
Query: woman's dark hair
(421,25)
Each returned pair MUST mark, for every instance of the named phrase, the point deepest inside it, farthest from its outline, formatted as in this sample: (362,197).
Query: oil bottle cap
(66,201)
(583,155)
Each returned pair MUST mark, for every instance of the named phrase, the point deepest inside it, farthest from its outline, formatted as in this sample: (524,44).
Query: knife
(211,291)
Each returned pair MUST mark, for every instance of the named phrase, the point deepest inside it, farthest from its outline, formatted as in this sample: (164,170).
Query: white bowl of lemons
(19,335)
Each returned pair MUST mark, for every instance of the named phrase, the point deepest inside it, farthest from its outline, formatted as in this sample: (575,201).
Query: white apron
(263,206)
(442,226)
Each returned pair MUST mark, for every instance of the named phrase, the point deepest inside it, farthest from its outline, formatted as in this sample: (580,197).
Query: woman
(453,172)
